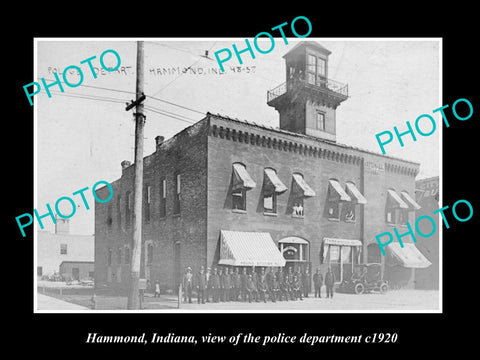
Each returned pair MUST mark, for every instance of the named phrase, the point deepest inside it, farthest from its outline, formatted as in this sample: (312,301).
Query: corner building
(231,192)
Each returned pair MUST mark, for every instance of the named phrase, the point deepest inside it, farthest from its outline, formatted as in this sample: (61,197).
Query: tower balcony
(322,87)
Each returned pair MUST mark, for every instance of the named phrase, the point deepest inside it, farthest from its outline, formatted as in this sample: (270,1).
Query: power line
(89,97)
(170,114)
(99,87)
(211,47)
(180,106)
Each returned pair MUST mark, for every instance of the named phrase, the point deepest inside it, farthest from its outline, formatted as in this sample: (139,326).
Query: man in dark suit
(237,285)
(227,285)
(215,285)
(317,283)
(329,282)
(251,289)
(200,284)
(188,285)
(243,284)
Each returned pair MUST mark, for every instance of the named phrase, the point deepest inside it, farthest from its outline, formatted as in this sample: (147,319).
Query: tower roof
(303,44)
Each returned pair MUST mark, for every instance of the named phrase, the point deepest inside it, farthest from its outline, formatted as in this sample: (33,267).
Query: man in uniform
(270,278)
(188,284)
(215,285)
(227,285)
(280,277)
(221,289)
(306,286)
(200,284)
(317,283)
(243,283)
(236,283)
(297,287)
(262,285)
(207,284)
(289,281)
(251,289)
(329,282)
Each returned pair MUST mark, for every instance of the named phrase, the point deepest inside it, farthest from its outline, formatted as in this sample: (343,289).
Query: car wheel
(359,288)
(383,288)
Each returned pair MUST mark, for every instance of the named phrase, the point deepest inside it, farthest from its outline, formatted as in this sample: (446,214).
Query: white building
(53,249)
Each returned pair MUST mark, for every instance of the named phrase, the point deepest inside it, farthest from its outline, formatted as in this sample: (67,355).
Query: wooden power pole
(134,293)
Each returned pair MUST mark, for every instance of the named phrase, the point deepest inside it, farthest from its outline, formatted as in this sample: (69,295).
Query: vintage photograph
(164,184)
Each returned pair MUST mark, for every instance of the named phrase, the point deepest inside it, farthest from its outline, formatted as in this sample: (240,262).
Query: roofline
(286,132)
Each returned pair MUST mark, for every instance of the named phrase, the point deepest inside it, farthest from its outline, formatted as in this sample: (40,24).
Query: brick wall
(185,154)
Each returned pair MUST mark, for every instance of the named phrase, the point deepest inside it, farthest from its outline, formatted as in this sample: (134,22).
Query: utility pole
(134,293)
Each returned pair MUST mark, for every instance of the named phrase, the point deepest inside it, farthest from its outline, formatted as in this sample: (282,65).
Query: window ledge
(334,219)
(238,211)
(269,214)
(175,215)
(298,216)
(350,221)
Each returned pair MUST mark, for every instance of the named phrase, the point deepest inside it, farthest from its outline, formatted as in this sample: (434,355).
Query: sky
(83,134)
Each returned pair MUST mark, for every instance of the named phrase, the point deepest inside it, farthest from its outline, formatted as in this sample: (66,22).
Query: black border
(416,332)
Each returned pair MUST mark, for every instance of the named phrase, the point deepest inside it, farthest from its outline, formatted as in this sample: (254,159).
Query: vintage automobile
(366,278)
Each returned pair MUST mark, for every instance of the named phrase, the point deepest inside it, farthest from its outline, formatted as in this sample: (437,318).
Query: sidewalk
(45,302)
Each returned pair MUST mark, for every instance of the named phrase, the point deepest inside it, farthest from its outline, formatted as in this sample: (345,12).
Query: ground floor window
(340,258)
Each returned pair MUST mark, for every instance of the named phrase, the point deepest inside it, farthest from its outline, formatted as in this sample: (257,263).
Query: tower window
(316,69)
(320,121)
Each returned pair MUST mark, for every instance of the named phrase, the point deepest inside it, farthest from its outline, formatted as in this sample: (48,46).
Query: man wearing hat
(188,284)
(207,285)
(243,283)
(200,284)
(236,283)
(215,285)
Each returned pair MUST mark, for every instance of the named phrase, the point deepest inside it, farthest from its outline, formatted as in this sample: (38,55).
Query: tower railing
(328,85)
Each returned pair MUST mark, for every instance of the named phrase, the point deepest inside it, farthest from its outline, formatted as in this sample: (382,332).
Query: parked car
(366,278)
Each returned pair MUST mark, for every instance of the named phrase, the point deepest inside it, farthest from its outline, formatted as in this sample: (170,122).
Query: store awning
(408,256)
(241,178)
(337,192)
(412,204)
(355,194)
(396,199)
(240,248)
(302,186)
(272,181)
(341,242)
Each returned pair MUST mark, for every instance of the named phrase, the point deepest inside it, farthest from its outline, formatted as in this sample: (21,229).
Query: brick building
(427,195)
(231,192)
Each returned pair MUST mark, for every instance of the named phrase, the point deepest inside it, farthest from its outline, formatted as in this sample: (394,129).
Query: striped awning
(336,192)
(396,199)
(355,194)
(301,186)
(412,204)
(272,181)
(241,248)
(408,256)
(241,178)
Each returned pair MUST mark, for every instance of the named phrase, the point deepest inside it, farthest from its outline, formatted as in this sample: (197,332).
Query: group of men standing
(232,284)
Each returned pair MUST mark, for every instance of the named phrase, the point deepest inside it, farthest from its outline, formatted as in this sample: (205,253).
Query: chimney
(159,140)
(62,226)
(125,164)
